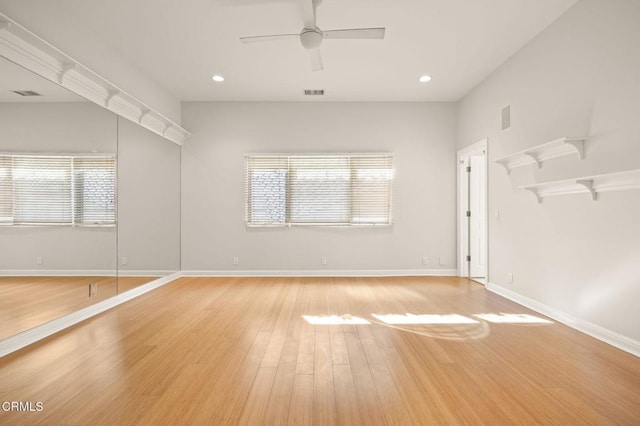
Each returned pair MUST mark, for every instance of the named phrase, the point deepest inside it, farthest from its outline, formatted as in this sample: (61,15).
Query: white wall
(52,21)
(580,77)
(421,137)
(148,200)
(61,127)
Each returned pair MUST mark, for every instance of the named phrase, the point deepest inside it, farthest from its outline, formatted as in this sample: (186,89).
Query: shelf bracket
(112,93)
(66,67)
(145,112)
(505,165)
(535,193)
(578,144)
(534,158)
(588,184)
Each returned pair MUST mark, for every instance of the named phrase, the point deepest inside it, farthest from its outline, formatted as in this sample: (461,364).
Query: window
(57,190)
(344,189)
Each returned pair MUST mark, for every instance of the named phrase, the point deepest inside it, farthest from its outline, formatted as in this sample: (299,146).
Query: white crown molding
(324,273)
(20,340)
(605,335)
(19,45)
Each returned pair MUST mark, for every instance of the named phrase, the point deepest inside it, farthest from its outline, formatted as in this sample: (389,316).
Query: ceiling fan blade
(316,60)
(309,13)
(355,33)
(276,37)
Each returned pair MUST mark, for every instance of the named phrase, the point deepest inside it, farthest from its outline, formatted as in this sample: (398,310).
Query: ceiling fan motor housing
(311,38)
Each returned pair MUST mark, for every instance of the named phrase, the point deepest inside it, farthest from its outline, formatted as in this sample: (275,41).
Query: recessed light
(218,78)
(424,78)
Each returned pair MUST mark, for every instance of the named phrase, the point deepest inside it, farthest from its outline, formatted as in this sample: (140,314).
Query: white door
(477,219)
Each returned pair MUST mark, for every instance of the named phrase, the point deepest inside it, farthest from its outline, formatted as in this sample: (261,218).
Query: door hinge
(468,213)
(468,258)
(468,169)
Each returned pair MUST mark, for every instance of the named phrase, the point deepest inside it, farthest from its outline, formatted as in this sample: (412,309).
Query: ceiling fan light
(311,39)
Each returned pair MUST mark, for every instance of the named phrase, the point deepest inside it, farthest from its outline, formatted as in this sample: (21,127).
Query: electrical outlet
(93,289)
(39,260)
(510,277)
(442,261)
(124,260)
(236,260)
(425,260)
(324,260)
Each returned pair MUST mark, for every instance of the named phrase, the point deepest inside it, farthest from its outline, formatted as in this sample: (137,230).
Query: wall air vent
(26,93)
(308,92)
(505,117)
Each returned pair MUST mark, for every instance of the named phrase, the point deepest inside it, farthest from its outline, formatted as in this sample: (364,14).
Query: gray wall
(580,77)
(421,137)
(57,128)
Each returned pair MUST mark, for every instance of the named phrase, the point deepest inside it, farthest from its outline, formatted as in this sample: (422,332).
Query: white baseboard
(323,273)
(611,337)
(83,273)
(20,340)
(144,273)
(58,273)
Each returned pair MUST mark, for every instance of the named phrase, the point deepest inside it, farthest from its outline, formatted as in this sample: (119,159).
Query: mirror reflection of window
(57,190)
(57,201)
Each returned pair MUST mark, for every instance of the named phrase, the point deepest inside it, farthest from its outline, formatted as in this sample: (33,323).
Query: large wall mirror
(89,202)
(148,206)
(58,201)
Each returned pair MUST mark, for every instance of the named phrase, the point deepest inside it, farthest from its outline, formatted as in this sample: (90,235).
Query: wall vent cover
(309,92)
(26,93)
(506,117)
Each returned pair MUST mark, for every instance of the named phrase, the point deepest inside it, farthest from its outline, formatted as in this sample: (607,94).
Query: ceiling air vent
(26,93)
(308,92)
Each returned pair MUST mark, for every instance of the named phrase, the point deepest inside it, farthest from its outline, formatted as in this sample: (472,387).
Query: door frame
(462,200)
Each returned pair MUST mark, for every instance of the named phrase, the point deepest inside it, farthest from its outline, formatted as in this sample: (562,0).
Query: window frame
(349,156)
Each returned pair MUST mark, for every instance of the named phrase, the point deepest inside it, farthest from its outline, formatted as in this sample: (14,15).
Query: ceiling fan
(311,36)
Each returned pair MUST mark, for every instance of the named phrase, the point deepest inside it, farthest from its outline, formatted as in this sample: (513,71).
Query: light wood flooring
(239,351)
(26,302)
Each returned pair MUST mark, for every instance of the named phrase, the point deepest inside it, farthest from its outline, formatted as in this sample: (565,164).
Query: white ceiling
(181,44)
(14,77)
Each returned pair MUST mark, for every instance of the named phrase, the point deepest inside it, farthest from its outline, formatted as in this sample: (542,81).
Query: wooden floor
(26,302)
(239,351)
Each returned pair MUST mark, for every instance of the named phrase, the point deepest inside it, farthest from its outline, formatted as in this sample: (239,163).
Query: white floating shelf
(591,185)
(538,154)
(24,48)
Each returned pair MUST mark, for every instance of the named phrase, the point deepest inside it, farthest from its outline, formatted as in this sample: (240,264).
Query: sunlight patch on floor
(503,318)
(406,319)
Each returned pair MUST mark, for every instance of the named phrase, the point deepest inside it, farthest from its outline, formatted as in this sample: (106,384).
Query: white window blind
(94,190)
(57,190)
(6,190)
(338,189)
